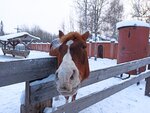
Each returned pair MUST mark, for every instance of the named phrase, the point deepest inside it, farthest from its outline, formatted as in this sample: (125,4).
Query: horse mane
(71,36)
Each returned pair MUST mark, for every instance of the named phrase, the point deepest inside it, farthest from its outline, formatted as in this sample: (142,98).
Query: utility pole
(1,28)
(18,29)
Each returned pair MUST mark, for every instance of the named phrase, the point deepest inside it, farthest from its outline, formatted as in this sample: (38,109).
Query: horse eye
(84,46)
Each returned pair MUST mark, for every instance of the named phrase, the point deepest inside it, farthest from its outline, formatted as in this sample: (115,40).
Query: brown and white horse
(73,66)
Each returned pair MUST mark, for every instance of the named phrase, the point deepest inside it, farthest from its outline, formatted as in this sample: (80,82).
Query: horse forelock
(71,36)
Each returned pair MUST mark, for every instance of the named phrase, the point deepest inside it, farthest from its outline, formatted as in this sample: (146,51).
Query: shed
(11,41)
(132,42)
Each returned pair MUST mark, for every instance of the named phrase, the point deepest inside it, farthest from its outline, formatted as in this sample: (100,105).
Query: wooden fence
(38,96)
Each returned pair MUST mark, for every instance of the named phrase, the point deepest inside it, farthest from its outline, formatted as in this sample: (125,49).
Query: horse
(73,65)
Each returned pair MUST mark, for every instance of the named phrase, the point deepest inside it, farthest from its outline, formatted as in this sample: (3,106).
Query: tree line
(101,16)
(96,16)
(35,30)
(38,32)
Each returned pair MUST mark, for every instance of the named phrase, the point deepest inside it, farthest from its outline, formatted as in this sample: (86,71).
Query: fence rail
(12,72)
(48,89)
(84,102)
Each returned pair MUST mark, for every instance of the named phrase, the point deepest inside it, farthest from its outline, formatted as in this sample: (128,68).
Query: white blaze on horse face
(68,75)
(69,43)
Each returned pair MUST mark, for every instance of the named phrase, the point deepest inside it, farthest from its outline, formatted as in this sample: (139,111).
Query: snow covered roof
(128,23)
(17,36)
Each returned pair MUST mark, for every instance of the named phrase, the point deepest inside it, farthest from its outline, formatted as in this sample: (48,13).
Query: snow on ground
(33,54)
(130,100)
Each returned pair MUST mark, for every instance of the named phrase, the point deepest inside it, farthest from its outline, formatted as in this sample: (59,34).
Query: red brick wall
(109,49)
(40,47)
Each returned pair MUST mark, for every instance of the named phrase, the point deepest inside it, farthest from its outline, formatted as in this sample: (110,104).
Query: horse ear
(61,34)
(85,35)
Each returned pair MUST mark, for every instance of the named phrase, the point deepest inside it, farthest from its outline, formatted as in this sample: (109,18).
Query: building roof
(24,36)
(128,23)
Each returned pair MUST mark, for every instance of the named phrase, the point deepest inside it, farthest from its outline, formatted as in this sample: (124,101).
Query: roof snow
(18,36)
(128,23)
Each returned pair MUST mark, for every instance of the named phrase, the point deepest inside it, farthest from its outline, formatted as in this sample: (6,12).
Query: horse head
(73,66)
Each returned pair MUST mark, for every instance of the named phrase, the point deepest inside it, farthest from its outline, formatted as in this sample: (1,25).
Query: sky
(49,15)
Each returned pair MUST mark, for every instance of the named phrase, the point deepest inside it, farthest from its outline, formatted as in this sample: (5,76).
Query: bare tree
(141,10)
(37,31)
(71,19)
(82,9)
(98,8)
(90,14)
(63,27)
(113,15)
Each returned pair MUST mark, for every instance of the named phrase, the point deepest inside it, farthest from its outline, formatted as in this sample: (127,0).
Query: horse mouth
(67,92)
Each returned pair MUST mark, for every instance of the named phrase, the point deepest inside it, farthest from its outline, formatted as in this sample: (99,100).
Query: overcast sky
(48,14)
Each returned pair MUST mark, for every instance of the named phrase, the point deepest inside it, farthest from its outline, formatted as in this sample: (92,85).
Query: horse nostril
(72,76)
(56,76)
(64,88)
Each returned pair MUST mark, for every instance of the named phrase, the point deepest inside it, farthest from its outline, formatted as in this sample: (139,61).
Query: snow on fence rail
(12,72)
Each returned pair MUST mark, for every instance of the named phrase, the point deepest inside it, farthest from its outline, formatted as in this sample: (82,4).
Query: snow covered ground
(130,100)
(33,54)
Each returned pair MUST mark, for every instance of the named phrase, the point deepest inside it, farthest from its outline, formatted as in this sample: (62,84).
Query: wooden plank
(22,109)
(44,91)
(39,107)
(147,87)
(84,102)
(27,97)
(99,75)
(23,53)
(47,90)
(26,70)
(31,69)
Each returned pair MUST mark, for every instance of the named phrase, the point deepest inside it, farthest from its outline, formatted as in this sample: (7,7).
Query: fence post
(28,107)
(25,107)
(147,87)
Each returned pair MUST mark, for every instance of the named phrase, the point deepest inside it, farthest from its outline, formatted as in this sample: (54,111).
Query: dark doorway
(100,51)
